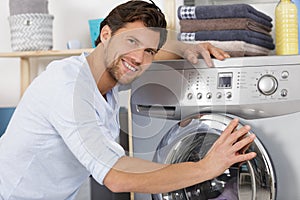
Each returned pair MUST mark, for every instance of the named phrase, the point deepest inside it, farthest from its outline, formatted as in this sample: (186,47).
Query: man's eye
(150,51)
(132,41)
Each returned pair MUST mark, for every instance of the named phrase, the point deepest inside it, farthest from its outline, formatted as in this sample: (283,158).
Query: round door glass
(191,139)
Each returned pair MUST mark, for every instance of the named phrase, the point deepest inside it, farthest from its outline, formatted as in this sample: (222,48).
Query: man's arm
(154,178)
(174,49)
(136,175)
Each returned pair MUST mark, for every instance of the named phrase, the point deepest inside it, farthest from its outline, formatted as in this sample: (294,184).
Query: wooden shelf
(25,63)
(50,53)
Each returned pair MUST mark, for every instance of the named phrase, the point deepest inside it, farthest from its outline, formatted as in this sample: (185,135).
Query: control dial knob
(267,84)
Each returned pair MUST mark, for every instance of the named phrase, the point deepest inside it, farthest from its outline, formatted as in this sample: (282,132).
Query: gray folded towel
(28,6)
(195,25)
(223,11)
(230,35)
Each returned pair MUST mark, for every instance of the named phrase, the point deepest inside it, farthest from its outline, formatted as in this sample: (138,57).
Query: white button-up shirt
(62,131)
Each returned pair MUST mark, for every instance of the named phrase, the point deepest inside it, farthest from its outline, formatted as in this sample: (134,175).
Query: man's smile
(128,66)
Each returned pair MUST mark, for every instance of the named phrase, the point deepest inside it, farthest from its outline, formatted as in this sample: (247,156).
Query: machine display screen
(225,80)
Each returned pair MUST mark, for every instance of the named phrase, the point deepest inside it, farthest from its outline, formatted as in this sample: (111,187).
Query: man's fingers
(215,51)
(242,145)
(191,57)
(232,126)
(205,50)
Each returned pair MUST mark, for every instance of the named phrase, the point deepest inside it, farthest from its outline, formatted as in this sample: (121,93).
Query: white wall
(70,22)
(9,70)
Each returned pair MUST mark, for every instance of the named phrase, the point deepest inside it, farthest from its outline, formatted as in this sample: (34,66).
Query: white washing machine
(179,110)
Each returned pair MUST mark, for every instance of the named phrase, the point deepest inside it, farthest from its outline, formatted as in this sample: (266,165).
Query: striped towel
(223,11)
(230,35)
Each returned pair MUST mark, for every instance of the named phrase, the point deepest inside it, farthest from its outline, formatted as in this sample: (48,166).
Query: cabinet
(25,61)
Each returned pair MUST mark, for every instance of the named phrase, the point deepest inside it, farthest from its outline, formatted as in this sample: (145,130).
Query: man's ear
(105,33)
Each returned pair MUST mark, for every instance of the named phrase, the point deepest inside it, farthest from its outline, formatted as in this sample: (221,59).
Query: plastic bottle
(286,27)
(297,2)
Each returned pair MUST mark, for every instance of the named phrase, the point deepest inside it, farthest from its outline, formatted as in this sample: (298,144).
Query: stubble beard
(114,69)
(115,72)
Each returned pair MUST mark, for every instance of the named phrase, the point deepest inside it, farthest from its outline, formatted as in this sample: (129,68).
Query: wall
(70,22)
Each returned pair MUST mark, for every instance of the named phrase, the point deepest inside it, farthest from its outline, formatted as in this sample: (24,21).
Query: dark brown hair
(135,10)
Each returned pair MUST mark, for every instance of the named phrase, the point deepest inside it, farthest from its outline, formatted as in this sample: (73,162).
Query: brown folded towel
(240,48)
(223,24)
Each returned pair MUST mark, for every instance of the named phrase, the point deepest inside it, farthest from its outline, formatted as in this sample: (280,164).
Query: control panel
(248,87)
(240,85)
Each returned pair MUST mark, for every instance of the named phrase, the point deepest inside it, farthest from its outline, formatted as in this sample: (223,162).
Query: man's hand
(174,49)
(229,149)
(193,51)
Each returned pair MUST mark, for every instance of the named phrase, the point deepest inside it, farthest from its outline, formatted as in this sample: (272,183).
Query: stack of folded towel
(238,29)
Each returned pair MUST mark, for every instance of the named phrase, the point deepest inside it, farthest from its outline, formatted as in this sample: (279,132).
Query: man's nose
(138,56)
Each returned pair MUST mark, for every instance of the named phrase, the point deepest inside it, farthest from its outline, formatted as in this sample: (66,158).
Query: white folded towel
(240,48)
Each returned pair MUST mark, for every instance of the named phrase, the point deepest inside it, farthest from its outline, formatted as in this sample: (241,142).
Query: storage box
(31,31)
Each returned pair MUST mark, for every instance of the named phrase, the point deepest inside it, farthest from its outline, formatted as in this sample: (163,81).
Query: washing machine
(179,110)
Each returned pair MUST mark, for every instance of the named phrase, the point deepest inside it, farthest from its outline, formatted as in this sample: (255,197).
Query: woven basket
(31,31)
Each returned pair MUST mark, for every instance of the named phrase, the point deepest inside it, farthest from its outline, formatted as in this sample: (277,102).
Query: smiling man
(65,126)
(127,53)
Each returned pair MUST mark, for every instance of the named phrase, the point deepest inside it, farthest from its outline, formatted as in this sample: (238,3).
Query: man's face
(130,51)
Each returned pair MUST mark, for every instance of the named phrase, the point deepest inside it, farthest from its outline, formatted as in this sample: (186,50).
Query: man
(65,126)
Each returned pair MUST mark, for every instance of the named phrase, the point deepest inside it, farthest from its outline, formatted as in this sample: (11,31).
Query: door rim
(166,149)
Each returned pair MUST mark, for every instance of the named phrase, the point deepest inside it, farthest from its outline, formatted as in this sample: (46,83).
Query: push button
(228,95)
(283,92)
(199,95)
(189,96)
(284,74)
(209,95)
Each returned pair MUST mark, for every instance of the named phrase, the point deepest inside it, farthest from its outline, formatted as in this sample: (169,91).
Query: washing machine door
(191,139)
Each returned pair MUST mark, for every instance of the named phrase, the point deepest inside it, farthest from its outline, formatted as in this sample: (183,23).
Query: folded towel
(28,6)
(230,35)
(223,24)
(240,48)
(223,11)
